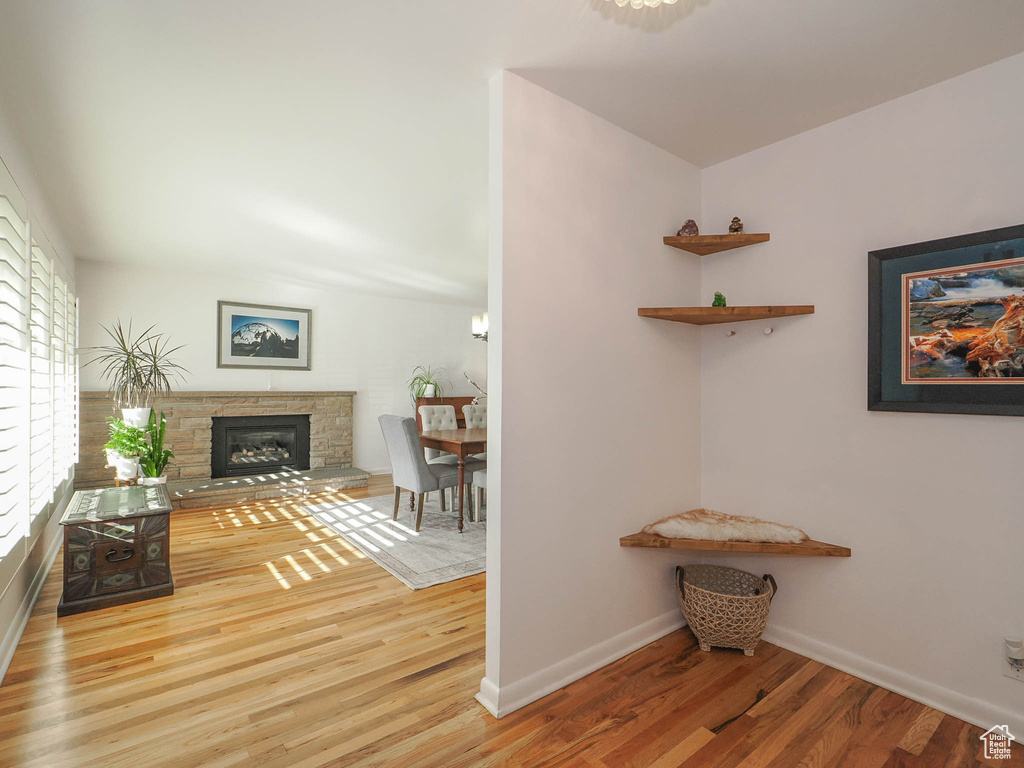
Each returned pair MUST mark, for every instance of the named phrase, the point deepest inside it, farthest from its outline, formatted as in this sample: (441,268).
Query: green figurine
(719,300)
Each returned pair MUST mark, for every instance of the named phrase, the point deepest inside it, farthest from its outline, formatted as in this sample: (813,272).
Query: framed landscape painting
(946,325)
(261,336)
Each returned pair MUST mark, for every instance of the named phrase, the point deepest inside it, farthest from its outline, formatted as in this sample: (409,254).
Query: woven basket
(725,607)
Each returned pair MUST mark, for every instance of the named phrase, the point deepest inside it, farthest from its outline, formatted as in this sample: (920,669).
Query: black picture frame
(887,388)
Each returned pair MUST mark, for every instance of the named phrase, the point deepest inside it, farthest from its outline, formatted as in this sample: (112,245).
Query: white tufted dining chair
(476,418)
(432,418)
(476,415)
(479,487)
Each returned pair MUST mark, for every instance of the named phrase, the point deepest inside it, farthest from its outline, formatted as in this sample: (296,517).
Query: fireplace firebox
(253,445)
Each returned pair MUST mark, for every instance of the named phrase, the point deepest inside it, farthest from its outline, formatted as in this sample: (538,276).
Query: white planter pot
(162,480)
(429,390)
(112,456)
(136,417)
(127,469)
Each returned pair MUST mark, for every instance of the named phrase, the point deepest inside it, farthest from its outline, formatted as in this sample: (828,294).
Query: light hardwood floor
(283,647)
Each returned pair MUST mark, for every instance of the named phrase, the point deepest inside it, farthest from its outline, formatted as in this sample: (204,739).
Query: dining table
(461,442)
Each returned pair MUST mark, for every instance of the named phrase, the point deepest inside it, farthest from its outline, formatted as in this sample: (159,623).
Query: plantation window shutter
(41,415)
(38,379)
(64,379)
(71,368)
(15,289)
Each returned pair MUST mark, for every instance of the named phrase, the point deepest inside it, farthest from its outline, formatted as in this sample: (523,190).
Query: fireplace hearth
(253,445)
(189,431)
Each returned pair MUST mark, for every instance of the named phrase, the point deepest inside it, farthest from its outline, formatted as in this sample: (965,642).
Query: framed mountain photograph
(946,325)
(261,336)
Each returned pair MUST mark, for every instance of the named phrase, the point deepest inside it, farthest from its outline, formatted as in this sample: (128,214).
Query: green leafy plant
(129,442)
(154,457)
(423,377)
(136,369)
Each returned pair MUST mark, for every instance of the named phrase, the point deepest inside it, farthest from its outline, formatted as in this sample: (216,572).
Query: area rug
(436,554)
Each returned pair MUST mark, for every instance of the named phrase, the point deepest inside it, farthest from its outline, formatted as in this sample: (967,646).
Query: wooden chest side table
(117,544)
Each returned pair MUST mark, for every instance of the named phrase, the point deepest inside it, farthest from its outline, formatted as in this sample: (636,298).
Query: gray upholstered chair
(479,486)
(410,470)
(476,415)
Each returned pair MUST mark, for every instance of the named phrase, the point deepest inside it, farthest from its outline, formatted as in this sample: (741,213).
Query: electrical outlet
(1013,647)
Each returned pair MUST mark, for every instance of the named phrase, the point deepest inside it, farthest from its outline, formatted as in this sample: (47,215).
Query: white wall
(361,342)
(930,504)
(598,410)
(20,166)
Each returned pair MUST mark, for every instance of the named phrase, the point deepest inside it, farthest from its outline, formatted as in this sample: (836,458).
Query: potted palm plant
(155,457)
(124,447)
(427,382)
(136,369)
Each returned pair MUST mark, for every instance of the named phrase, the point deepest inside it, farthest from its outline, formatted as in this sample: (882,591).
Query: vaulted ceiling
(344,142)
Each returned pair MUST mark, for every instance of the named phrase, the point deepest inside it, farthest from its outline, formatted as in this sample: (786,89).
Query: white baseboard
(975,711)
(488,696)
(9,642)
(500,701)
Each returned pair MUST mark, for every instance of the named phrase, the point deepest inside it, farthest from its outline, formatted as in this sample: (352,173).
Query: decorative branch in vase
(477,387)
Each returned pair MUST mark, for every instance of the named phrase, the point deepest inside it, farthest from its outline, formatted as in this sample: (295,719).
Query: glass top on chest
(115,503)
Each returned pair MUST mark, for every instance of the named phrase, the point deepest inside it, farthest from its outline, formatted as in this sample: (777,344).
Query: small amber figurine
(736,227)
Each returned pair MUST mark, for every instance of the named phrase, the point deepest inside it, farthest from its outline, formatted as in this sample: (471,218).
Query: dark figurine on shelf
(689,229)
(719,300)
(736,227)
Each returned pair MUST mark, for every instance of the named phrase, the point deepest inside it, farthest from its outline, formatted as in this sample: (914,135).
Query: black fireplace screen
(251,445)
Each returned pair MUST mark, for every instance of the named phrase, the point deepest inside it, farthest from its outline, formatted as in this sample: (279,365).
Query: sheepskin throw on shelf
(710,525)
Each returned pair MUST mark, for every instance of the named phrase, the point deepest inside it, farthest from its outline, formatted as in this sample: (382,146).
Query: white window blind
(41,408)
(38,378)
(14,376)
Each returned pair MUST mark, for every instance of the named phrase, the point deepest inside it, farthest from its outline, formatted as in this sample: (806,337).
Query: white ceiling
(344,142)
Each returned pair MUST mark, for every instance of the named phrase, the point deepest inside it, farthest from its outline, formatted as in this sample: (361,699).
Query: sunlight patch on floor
(382,539)
(371,528)
(333,554)
(277,575)
(390,532)
(354,550)
(297,568)
(316,561)
(364,542)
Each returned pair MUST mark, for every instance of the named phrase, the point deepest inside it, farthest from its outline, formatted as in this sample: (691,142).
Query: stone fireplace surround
(189,422)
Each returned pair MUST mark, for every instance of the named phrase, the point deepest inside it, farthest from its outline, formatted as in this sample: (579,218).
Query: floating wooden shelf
(705,245)
(713,315)
(807,548)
